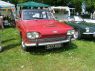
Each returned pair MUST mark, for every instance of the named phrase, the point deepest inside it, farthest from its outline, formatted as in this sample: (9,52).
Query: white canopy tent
(4,4)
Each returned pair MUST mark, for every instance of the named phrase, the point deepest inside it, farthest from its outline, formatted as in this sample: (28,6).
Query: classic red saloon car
(39,28)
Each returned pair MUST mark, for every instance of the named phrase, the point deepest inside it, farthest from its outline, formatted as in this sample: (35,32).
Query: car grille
(49,39)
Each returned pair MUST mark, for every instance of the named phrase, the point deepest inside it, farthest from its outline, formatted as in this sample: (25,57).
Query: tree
(75,3)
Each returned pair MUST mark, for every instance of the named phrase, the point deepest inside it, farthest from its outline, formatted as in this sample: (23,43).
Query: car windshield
(37,14)
(75,18)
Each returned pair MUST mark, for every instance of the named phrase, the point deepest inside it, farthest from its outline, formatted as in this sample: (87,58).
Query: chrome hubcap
(76,35)
(23,45)
(0,48)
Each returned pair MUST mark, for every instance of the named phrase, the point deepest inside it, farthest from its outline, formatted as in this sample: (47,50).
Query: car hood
(91,26)
(46,27)
(87,24)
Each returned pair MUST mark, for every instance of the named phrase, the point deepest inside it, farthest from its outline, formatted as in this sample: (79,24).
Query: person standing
(1,29)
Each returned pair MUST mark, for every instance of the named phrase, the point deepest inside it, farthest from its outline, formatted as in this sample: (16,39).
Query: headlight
(87,29)
(70,32)
(33,35)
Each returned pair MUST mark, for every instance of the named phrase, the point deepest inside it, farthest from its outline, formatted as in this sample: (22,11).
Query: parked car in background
(82,28)
(39,28)
(61,13)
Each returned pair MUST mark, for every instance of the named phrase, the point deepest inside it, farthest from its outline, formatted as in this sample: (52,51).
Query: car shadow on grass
(89,39)
(43,51)
(10,44)
(4,41)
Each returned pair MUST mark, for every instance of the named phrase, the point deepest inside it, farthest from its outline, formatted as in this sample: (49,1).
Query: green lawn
(80,56)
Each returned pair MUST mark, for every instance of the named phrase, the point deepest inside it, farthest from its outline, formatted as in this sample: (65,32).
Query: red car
(39,28)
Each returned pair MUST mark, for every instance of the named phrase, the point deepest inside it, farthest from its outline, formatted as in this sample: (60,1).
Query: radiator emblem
(55,32)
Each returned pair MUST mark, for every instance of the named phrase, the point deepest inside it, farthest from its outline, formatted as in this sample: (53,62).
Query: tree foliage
(73,3)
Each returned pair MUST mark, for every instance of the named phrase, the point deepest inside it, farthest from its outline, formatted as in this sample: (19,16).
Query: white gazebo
(4,4)
(7,5)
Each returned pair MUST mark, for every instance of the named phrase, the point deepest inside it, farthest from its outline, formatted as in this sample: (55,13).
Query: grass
(80,56)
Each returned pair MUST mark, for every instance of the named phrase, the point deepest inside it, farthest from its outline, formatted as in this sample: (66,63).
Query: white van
(61,13)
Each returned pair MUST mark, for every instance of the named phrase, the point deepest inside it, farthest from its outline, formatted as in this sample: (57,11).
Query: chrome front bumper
(48,43)
(89,33)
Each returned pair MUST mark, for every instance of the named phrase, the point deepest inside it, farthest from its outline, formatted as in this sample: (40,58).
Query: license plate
(53,46)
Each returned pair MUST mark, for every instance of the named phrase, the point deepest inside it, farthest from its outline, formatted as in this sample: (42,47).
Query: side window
(64,11)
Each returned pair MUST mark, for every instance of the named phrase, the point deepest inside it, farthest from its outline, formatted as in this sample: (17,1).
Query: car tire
(25,48)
